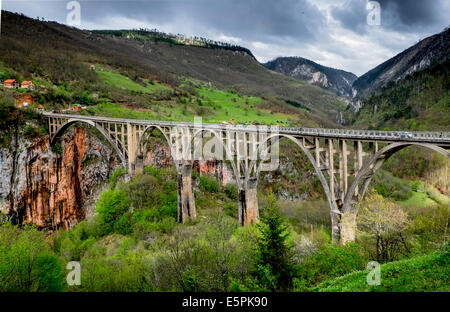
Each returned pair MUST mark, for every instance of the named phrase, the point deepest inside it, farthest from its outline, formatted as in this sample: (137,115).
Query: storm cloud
(396,15)
(333,33)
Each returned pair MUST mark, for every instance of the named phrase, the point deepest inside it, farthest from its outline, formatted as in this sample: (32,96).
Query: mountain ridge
(425,53)
(335,80)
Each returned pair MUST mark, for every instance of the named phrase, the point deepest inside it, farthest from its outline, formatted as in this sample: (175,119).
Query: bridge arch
(228,153)
(369,169)
(186,201)
(278,136)
(247,201)
(146,134)
(63,128)
(344,217)
(246,177)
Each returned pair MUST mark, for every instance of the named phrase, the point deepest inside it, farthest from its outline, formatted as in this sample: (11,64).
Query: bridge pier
(347,228)
(248,202)
(343,227)
(131,147)
(186,202)
(139,165)
(336,226)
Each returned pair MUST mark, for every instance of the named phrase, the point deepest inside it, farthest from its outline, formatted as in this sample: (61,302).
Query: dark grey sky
(331,32)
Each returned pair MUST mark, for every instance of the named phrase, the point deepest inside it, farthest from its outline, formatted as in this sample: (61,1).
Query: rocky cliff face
(159,156)
(48,189)
(217,168)
(335,80)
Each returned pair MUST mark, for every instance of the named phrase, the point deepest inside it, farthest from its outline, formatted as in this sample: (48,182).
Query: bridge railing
(341,133)
(369,133)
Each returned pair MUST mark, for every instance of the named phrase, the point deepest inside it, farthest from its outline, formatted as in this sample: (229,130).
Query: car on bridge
(405,135)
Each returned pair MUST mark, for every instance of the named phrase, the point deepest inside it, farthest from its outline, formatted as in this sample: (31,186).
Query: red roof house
(11,84)
(24,100)
(28,85)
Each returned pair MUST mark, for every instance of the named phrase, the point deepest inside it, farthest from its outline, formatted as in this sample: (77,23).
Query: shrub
(231,191)
(85,99)
(125,271)
(124,224)
(231,209)
(209,184)
(30,132)
(26,261)
(332,261)
(57,149)
(389,186)
(115,176)
(73,245)
(112,205)
(165,225)
(144,191)
(431,228)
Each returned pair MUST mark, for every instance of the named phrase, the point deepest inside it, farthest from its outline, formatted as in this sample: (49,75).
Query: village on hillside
(26,99)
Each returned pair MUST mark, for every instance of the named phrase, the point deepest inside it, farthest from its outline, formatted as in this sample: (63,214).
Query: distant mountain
(336,80)
(409,91)
(420,101)
(429,51)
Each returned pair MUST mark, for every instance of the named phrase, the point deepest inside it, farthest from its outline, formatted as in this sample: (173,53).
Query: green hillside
(421,274)
(123,82)
(226,68)
(149,73)
(419,102)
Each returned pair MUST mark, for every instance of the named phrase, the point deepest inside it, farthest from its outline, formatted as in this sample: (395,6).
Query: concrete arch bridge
(344,160)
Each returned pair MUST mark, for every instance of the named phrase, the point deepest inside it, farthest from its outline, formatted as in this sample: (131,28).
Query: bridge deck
(441,138)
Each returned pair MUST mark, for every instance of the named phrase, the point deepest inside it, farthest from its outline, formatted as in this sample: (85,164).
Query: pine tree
(273,266)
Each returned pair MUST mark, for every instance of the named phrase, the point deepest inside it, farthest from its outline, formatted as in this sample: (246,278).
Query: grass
(211,104)
(122,82)
(409,193)
(229,105)
(430,197)
(425,273)
(117,111)
(438,196)
(166,112)
(419,199)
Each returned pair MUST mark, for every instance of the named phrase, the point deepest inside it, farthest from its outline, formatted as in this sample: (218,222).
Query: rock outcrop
(49,189)
(338,81)
(159,156)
